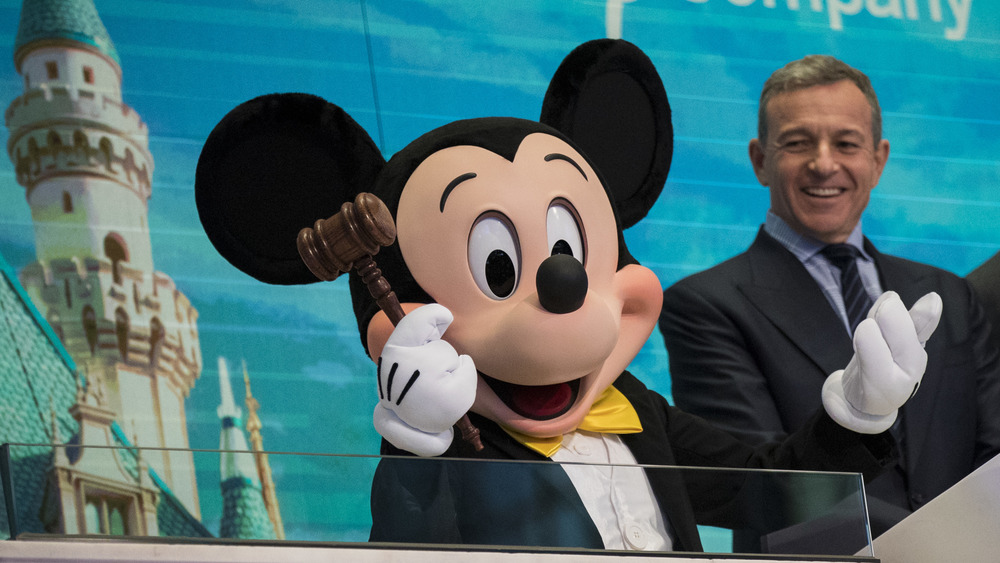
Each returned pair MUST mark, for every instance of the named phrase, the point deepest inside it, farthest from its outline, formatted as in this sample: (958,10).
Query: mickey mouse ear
(272,166)
(607,96)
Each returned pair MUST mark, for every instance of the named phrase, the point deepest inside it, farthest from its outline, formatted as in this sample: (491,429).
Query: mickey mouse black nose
(561,283)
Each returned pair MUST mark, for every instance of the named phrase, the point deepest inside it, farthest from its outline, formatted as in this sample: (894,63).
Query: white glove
(888,364)
(424,386)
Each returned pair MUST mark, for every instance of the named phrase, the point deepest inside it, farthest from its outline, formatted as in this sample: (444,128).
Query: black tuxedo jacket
(751,341)
(458,501)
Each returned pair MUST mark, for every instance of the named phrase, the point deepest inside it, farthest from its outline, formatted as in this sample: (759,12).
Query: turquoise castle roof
(244,515)
(74,20)
(37,379)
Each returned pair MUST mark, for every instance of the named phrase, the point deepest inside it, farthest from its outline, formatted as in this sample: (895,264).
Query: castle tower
(244,514)
(82,156)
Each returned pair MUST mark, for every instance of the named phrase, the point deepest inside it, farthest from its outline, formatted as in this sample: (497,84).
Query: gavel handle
(379,288)
(386,299)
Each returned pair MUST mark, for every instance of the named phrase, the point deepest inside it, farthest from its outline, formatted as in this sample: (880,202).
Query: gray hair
(816,70)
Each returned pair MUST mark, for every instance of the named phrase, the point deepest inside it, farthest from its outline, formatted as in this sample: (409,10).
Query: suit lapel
(780,289)
(545,477)
(652,447)
(918,413)
(820,336)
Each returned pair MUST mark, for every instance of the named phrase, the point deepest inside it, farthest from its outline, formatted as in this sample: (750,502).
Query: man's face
(819,159)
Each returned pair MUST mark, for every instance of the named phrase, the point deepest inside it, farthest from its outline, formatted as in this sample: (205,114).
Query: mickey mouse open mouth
(537,402)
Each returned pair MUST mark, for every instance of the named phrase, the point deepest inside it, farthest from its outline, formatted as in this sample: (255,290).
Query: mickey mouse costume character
(524,307)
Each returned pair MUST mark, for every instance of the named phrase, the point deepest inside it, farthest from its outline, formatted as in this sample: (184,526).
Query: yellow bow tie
(611,412)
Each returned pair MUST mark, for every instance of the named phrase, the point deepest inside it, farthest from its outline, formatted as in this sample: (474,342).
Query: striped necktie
(857,303)
(856,299)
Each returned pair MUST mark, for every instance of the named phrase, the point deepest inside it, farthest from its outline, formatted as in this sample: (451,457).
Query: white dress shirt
(617,497)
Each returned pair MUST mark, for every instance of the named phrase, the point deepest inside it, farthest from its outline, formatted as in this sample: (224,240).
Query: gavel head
(359,229)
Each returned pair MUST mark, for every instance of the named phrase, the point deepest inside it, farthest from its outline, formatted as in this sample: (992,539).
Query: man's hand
(888,364)
(424,386)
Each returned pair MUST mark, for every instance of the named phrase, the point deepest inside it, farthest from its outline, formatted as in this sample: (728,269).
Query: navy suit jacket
(985,280)
(751,341)
(457,501)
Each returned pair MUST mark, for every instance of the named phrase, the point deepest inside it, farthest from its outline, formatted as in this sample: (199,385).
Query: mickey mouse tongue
(539,402)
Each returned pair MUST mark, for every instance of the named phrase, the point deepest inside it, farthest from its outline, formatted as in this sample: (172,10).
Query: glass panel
(406,501)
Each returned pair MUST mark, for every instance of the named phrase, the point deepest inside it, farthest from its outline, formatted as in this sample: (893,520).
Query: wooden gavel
(348,240)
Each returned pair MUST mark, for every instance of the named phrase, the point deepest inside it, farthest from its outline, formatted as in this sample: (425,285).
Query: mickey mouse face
(474,229)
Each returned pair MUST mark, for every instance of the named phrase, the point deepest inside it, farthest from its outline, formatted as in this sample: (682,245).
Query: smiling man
(752,340)
(820,153)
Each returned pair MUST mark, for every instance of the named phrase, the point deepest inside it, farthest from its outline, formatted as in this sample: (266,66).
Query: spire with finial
(59,457)
(244,515)
(56,439)
(232,441)
(260,456)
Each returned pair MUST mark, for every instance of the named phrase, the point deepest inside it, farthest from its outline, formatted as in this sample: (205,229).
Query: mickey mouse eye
(494,256)
(565,236)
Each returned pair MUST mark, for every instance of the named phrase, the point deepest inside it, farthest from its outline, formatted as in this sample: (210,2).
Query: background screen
(401,68)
